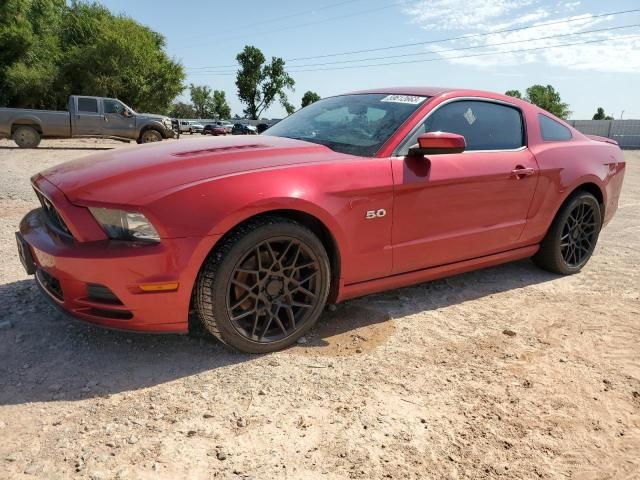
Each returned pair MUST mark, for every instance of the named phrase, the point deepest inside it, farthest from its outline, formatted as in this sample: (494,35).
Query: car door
(118,122)
(87,119)
(458,206)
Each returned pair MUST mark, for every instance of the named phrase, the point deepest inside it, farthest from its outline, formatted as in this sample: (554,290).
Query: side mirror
(433,143)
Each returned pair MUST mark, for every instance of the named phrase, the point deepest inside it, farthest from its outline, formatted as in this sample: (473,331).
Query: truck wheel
(26,137)
(265,286)
(150,136)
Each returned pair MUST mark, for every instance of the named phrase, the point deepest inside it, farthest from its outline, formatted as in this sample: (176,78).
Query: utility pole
(621,114)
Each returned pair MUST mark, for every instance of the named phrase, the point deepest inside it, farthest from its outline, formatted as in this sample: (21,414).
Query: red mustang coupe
(351,195)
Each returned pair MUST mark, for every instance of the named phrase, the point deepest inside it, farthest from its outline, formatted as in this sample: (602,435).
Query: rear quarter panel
(565,166)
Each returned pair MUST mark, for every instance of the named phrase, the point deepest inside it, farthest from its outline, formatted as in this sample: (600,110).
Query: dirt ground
(508,372)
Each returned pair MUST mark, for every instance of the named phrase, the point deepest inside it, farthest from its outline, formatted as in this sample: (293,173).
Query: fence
(625,132)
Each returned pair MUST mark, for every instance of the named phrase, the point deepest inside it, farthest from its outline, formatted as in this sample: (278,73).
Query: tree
(50,49)
(30,51)
(548,99)
(600,115)
(309,97)
(544,97)
(201,100)
(260,83)
(182,110)
(220,106)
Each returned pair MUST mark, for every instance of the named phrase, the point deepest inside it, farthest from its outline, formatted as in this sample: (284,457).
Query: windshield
(354,124)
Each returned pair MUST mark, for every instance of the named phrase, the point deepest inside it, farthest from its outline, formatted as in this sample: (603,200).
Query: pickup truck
(86,117)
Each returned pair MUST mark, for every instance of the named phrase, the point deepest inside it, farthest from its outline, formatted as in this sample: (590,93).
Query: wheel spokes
(578,233)
(274,289)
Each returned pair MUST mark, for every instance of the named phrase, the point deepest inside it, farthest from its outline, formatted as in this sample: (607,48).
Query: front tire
(26,137)
(265,286)
(149,136)
(573,235)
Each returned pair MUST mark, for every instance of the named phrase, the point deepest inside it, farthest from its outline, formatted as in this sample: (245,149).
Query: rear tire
(149,136)
(26,137)
(265,286)
(573,235)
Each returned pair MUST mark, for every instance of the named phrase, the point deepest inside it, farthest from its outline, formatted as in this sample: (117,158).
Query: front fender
(155,126)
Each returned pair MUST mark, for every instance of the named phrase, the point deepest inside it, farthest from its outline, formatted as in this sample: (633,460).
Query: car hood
(152,116)
(136,175)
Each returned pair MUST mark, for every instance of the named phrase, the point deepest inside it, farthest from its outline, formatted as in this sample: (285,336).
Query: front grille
(50,284)
(101,294)
(53,217)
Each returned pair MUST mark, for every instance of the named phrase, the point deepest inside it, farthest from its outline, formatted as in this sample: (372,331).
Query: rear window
(553,131)
(88,105)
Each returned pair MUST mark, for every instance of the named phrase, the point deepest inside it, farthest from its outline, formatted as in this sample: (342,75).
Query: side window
(88,105)
(113,106)
(485,125)
(553,131)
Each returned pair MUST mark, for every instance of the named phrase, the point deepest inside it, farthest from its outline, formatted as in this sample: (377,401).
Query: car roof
(421,91)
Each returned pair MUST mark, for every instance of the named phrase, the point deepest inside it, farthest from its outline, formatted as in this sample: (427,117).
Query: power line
(439,52)
(461,37)
(473,55)
(429,52)
(502,52)
(293,15)
(330,19)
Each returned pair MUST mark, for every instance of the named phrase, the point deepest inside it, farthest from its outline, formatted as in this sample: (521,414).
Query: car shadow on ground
(45,356)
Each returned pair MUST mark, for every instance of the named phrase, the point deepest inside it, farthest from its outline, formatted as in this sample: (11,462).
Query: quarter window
(553,131)
(485,125)
(88,105)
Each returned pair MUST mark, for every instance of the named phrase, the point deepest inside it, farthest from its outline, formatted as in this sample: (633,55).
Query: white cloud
(617,52)
(462,14)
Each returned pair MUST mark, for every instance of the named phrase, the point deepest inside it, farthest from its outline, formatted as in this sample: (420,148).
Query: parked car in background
(261,127)
(213,129)
(86,117)
(190,126)
(195,127)
(242,129)
(351,195)
(228,126)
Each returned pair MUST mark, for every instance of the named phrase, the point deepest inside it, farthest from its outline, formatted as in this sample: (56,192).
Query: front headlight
(123,225)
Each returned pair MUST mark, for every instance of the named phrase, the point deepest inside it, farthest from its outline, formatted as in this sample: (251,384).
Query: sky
(498,51)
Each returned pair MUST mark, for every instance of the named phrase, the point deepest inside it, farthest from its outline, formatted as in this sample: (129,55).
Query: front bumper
(100,281)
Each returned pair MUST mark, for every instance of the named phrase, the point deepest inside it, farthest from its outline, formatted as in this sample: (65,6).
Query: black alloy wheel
(573,235)
(264,286)
(273,289)
(577,240)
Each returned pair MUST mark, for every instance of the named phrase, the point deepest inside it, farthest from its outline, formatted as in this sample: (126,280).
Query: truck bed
(53,123)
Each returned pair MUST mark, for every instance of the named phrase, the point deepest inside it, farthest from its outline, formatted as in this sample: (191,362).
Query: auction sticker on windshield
(411,99)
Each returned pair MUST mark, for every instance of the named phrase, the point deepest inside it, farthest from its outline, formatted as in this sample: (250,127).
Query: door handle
(521,172)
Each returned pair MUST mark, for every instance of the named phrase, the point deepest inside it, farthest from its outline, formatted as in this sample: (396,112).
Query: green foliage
(182,110)
(221,108)
(201,99)
(548,99)
(600,115)
(50,49)
(309,97)
(260,83)
(208,103)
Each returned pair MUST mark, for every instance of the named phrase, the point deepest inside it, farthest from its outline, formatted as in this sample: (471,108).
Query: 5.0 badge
(371,214)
